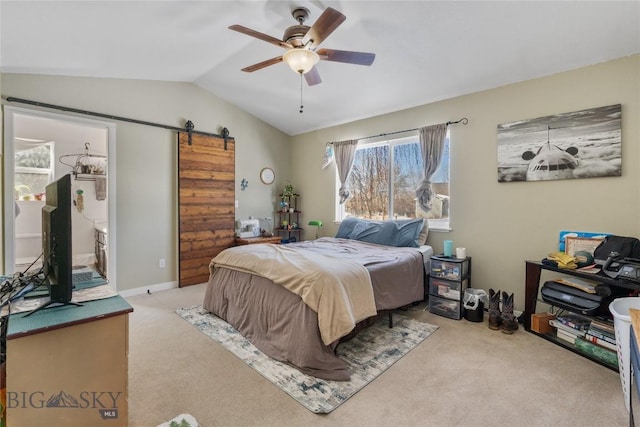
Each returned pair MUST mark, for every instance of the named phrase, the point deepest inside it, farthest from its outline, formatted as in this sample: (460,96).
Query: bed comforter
(279,322)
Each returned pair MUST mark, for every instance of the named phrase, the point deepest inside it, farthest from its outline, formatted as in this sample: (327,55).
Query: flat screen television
(57,255)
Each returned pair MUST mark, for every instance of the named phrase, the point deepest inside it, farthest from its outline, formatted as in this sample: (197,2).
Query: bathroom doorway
(39,148)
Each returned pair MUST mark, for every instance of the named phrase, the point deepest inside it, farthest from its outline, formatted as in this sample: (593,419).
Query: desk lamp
(316,224)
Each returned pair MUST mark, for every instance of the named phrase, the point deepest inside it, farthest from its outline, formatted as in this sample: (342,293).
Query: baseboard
(148,289)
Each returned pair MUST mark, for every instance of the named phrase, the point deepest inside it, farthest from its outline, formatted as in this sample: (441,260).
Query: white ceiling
(425,50)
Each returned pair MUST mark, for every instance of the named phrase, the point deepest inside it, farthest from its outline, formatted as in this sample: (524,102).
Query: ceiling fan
(301,42)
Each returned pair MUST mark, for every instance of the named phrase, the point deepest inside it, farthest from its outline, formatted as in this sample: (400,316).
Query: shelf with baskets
(289,218)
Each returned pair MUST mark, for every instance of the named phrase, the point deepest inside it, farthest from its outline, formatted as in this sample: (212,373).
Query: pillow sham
(400,233)
(408,233)
(346,227)
(424,232)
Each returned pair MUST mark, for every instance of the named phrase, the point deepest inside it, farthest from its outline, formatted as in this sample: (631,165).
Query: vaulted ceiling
(425,50)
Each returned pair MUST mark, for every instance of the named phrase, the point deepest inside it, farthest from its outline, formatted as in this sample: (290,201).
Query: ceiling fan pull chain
(301,106)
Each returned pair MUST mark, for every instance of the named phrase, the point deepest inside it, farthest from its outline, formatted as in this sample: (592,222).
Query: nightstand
(448,279)
(256,240)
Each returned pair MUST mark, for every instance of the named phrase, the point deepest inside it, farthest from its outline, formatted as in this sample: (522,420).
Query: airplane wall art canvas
(580,144)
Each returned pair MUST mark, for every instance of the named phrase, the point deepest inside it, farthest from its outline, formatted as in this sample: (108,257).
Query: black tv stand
(532,285)
(50,303)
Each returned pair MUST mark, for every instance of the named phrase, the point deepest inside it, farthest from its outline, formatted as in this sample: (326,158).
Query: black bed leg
(390,319)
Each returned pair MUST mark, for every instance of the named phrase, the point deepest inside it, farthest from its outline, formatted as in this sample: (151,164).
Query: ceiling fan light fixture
(300,60)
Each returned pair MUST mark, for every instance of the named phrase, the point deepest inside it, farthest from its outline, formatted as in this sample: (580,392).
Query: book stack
(570,327)
(602,333)
(600,342)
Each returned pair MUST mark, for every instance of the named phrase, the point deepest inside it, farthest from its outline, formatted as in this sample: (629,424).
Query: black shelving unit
(290,214)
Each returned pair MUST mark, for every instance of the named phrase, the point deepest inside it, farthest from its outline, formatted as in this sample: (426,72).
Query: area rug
(368,355)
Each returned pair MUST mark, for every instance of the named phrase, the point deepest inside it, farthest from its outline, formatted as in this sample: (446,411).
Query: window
(384,179)
(33,171)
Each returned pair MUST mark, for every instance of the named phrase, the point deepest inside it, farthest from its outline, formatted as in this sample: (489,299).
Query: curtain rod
(463,120)
(188,125)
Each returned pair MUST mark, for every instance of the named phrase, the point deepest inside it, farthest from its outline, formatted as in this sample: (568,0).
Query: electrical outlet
(162,263)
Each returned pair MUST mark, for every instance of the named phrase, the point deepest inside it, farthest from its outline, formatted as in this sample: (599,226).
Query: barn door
(206,191)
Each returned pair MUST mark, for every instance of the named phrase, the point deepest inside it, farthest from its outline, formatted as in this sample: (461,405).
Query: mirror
(41,148)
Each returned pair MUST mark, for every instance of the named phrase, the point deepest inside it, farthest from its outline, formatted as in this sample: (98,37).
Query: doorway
(41,147)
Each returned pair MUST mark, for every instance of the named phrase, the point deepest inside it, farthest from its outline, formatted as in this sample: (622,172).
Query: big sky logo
(105,402)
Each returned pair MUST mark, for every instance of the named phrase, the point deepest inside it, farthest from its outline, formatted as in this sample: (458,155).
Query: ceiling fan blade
(359,58)
(265,37)
(263,64)
(324,25)
(313,77)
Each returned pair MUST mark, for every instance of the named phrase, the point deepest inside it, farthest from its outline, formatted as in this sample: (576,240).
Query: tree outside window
(33,171)
(384,179)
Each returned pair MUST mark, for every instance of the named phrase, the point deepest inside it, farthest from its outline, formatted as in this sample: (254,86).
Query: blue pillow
(368,231)
(408,233)
(346,227)
(390,233)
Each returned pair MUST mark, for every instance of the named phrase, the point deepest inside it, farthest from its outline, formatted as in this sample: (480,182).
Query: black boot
(509,322)
(495,317)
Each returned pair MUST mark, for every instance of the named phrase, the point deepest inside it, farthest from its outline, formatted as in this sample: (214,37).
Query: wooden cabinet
(69,365)
(289,219)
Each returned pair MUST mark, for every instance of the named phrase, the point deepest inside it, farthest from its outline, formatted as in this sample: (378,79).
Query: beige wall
(146,159)
(503,224)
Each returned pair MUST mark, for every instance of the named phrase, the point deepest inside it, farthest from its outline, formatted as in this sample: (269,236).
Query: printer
(247,228)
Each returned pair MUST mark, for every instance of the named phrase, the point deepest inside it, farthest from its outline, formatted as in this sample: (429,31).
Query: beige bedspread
(339,291)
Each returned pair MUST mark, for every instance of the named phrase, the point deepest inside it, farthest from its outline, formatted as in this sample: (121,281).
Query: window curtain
(432,144)
(344,152)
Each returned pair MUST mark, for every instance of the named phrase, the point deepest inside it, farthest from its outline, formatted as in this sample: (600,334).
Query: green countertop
(60,317)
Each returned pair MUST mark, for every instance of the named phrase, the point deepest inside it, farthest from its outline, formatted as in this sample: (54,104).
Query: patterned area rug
(368,355)
(182,420)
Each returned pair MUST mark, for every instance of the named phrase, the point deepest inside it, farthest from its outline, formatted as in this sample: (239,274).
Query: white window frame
(43,171)
(434,224)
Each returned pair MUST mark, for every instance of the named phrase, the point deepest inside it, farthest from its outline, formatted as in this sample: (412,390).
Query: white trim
(28,235)
(148,289)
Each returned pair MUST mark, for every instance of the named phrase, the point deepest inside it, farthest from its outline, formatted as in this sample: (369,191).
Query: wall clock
(267,176)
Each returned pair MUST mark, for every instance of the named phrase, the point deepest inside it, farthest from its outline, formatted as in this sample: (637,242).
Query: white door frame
(9,183)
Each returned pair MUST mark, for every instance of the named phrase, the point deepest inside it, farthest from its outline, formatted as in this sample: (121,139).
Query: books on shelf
(603,325)
(602,335)
(566,328)
(595,332)
(601,342)
(566,336)
(575,321)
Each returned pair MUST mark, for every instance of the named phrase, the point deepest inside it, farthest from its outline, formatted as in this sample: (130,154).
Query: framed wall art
(581,244)
(581,144)
(565,234)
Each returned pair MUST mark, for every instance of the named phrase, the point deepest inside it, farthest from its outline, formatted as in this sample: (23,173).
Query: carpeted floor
(464,375)
(368,355)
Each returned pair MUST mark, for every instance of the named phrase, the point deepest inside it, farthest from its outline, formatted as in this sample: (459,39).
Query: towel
(101,188)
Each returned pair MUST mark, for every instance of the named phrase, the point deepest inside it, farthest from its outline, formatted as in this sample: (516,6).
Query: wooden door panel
(206,192)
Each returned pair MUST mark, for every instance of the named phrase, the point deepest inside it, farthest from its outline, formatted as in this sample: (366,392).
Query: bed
(297,302)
